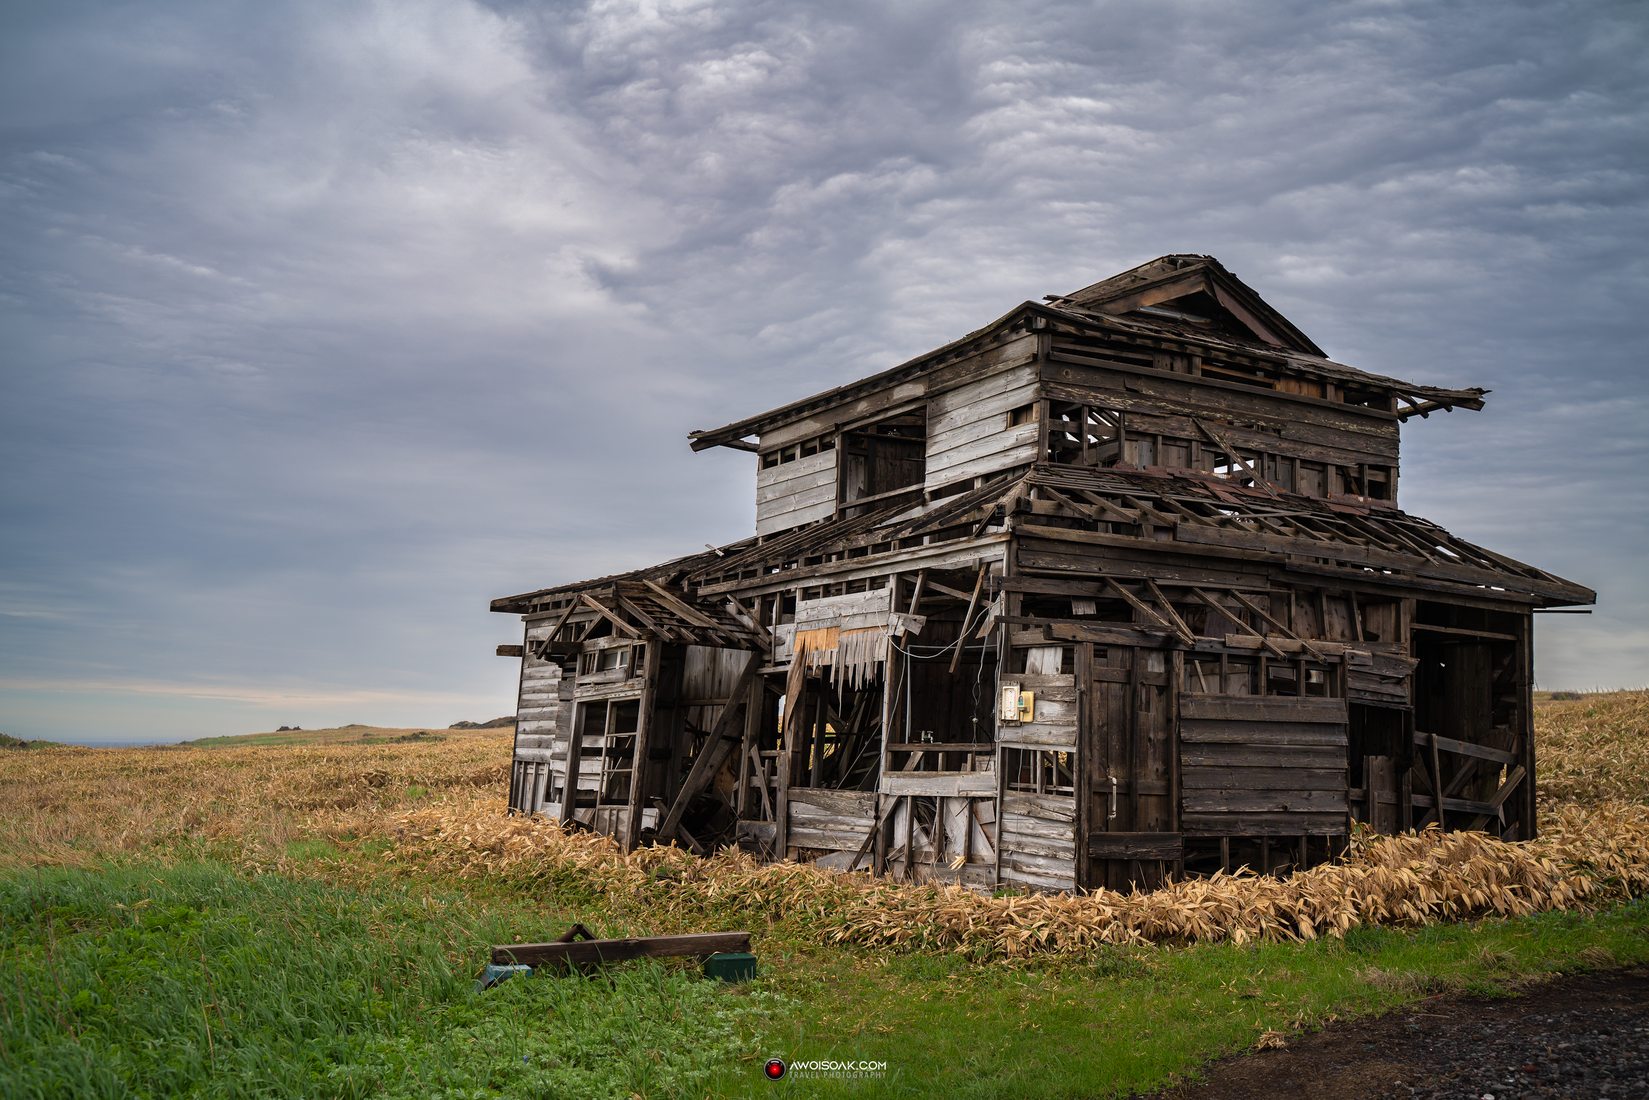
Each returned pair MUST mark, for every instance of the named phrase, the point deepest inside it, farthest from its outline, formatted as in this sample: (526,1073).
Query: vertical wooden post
(1525,703)
(639,766)
(1082,783)
(1176,677)
(515,740)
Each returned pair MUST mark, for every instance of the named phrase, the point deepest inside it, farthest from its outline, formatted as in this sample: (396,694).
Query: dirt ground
(1574,1037)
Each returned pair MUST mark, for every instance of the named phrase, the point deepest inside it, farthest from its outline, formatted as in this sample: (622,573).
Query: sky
(322,325)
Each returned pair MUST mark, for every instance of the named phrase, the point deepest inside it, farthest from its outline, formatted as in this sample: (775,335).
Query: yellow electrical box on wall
(1016,705)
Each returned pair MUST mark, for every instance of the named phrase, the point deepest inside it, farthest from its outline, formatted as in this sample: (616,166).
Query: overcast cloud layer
(323,324)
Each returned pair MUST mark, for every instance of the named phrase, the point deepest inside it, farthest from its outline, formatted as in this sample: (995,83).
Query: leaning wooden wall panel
(969,431)
(707,680)
(795,492)
(540,737)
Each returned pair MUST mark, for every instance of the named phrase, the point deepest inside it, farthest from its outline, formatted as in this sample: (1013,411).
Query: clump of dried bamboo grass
(1594,849)
(82,805)
(1588,857)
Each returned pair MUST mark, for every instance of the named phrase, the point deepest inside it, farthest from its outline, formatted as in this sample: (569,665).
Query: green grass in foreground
(197,980)
(193,980)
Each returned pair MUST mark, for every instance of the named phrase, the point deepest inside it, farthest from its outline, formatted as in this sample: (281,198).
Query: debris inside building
(1111,590)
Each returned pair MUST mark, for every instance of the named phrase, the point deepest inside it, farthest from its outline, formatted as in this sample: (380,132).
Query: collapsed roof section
(1153,510)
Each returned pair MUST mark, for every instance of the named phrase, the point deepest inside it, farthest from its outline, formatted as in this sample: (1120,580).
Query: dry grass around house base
(436,807)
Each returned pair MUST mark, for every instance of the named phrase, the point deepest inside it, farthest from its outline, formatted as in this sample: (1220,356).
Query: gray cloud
(324,324)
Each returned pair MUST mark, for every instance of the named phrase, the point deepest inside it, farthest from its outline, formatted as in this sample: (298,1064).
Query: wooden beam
(1255,608)
(572,605)
(1466,748)
(943,589)
(1236,459)
(586,953)
(1185,632)
(1225,611)
(967,618)
(646,620)
(608,614)
(680,607)
(1139,605)
(1455,631)
(714,752)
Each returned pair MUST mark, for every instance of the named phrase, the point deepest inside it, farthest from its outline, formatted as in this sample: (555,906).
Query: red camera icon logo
(774,1068)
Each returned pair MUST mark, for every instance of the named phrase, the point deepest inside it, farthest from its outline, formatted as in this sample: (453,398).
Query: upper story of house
(1173,365)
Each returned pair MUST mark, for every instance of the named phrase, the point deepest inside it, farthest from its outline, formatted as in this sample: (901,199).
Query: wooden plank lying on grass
(582,953)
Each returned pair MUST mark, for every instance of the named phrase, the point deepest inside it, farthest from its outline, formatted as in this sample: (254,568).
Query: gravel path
(1574,1038)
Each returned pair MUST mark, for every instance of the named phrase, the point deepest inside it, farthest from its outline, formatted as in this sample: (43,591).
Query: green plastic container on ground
(731,966)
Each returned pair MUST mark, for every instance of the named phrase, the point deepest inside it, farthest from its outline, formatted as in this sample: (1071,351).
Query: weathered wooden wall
(541,716)
(1263,766)
(795,492)
(969,433)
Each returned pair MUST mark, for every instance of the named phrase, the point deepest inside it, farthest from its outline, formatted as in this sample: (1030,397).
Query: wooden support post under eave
(1082,824)
(516,800)
(795,683)
(1525,698)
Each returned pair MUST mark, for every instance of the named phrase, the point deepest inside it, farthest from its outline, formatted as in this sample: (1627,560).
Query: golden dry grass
(75,806)
(441,803)
(1594,748)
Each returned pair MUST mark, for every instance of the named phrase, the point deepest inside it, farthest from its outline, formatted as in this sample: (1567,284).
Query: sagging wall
(607,727)
(973,429)
(796,484)
(542,717)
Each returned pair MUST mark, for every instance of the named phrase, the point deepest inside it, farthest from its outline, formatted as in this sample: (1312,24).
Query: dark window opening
(883,458)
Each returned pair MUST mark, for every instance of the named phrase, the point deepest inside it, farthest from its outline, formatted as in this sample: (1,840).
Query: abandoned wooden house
(1114,588)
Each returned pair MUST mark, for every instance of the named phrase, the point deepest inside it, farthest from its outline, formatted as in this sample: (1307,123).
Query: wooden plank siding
(831,821)
(968,427)
(795,492)
(1263,766)
(1038,841)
